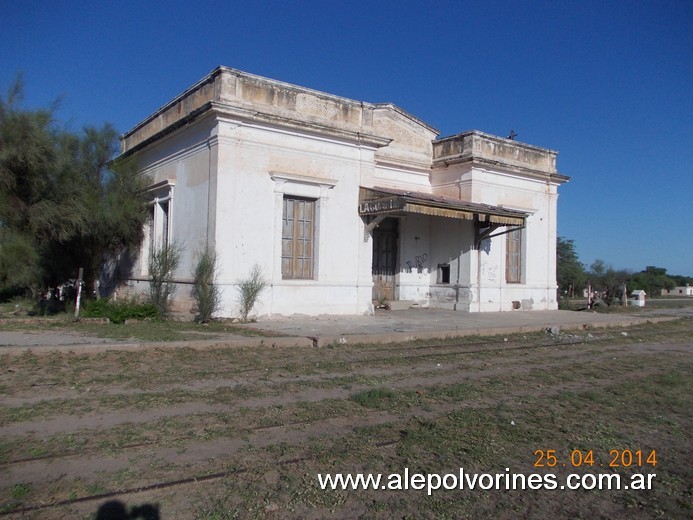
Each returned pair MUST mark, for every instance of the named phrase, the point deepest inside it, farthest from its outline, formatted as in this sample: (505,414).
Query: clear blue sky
(607,84)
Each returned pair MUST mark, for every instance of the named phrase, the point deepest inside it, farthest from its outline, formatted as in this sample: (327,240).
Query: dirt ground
(243,432)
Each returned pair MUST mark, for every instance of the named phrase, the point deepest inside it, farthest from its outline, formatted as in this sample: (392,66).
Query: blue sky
(607,84)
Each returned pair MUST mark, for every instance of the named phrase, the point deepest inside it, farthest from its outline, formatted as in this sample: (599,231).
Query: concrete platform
(412,324)
(384,327)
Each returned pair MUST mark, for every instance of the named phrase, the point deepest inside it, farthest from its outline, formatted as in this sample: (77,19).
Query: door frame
(387,229)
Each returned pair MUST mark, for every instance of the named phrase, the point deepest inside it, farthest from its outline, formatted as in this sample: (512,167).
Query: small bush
(565,304)
(119,311)
(249,290)
(206,294)
(163,262)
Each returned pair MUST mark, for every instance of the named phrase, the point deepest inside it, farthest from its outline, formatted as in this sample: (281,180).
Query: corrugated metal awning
(388,201)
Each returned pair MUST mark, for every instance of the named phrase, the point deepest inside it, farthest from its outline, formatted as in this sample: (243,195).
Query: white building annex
(686,290)
(343,204)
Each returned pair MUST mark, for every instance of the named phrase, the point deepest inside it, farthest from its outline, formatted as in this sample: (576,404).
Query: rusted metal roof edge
(396,201)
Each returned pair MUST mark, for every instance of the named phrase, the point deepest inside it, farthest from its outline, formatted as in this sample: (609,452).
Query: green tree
(681,280)
(608,281)
(63,203)
(652,280)
(28,150)
(570,273)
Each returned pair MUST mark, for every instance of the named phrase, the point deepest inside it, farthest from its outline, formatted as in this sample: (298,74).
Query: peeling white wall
(233,145)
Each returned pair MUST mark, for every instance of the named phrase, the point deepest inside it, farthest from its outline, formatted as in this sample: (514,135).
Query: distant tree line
(573,277)
(64,203)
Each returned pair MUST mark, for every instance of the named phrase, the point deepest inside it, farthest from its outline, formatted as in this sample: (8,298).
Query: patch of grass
(119,311)
(216,508)
(375,398)
(148,331)
(19,491)
(457,392)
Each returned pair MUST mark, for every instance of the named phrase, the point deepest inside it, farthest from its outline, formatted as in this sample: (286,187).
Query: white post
(79,291)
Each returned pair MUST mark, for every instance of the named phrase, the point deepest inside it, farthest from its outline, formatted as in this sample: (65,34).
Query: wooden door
(385,260)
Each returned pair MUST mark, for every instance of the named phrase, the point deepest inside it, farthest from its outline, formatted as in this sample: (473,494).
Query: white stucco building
(344,203)
(682,290)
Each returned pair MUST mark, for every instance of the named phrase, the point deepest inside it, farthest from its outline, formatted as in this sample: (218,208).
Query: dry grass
(245,432)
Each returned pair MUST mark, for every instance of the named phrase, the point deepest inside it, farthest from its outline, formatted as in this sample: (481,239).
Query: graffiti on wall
(418,263)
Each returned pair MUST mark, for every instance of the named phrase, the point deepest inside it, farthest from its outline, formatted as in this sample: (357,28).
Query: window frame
(158,229)
(514,256)
(301,263)
(443,275)
(298,186)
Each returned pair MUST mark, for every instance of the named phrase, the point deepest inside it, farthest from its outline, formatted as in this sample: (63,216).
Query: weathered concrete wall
(425,243)
(536,197)
(254,97)
(290,101)
(451,243)
(480,147)
(414,278)
(405,163)
(174,112)
(183,164)
(231,148)
(257,168)
(491,170)
(411,143)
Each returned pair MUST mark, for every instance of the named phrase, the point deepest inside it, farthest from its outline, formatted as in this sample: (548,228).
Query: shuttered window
(298,230)
(513,257)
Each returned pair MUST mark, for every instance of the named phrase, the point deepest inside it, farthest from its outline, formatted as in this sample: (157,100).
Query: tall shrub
(64,203)
(163,262)
(206,294)
(249,290)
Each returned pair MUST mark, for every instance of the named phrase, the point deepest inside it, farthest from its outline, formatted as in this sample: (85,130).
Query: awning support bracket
(372,225)
(489,232)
